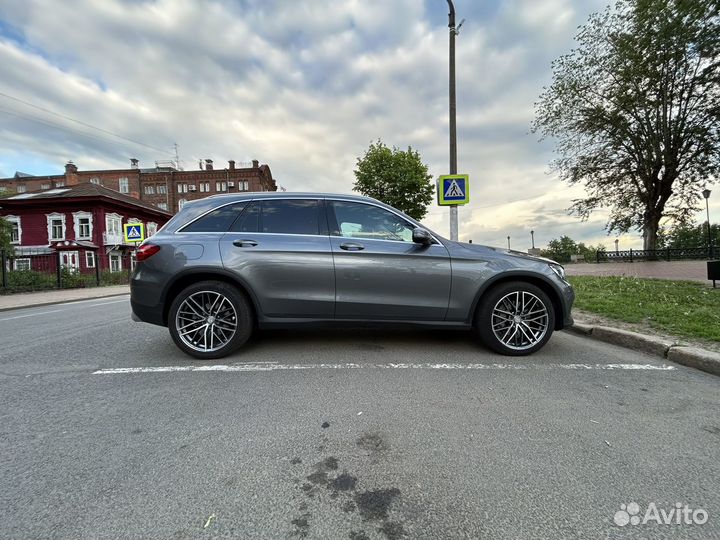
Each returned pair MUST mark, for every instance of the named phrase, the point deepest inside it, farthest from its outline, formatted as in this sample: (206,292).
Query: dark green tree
(689,236)
(396,177)
(635,112)
(5,237)
(561,249)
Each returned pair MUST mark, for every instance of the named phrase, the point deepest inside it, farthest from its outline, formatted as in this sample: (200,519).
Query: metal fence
(669,254)
(43,269)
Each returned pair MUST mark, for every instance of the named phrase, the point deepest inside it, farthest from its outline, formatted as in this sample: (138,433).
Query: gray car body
(308,279)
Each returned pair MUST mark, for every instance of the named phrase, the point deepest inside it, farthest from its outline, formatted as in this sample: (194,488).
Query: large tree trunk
(650,231)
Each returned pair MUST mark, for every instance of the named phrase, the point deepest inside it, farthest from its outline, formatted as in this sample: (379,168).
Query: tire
(210,319)
(515,319)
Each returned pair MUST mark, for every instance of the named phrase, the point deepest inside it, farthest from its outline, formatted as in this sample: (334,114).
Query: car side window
(219,220)
(249,221)
(358,220)
(292,216)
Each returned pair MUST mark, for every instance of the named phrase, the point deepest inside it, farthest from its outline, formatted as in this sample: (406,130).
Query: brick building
(166,188)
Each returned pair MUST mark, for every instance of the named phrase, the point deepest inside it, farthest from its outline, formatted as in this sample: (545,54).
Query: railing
(668,254)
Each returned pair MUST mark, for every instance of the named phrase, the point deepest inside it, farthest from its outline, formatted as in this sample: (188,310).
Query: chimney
(200,165)
(71,176)
(134,163)
(208,165)
(135,195)
(232,164)
(256,163)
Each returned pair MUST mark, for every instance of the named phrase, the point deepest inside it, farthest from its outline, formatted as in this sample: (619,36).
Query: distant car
(227,264)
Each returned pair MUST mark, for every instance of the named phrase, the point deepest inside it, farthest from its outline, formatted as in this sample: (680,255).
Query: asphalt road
(426,435)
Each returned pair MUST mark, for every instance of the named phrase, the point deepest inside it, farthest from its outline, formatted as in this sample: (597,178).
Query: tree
(635,111)
(5,236)
(560,250)
(688,236)
(396,177)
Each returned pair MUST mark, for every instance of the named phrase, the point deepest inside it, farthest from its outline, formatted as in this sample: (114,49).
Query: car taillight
(146,251)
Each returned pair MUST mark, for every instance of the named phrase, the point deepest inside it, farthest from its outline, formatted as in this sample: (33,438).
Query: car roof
(286,194)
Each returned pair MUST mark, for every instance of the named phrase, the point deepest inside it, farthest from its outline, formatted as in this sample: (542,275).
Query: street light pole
(706,194)
(508,242)
(453,127)
(532,238)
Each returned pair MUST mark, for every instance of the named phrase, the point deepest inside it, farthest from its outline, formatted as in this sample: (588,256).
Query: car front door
(281,249)
(380,273)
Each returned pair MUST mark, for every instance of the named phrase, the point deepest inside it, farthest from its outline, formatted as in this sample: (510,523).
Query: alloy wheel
(520,320)
(206,321)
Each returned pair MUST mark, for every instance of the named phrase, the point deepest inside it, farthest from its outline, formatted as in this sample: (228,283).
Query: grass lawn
(679,308)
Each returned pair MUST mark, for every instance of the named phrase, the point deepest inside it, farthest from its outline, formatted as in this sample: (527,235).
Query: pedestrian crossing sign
(134,232)
(453,189)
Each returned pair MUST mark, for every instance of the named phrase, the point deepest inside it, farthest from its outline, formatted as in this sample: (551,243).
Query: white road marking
(269,366)
(82,303)
(30,315)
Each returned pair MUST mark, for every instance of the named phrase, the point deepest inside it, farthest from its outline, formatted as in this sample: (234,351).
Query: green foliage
(30,280)
(396,177)
(689,236)
(113,278)
(681,308)
(5,235)
(634,109)
(561,249)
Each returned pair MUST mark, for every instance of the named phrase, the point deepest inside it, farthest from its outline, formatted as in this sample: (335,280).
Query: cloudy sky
(302,85)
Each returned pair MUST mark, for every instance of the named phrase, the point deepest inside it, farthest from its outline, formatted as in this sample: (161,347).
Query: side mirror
(421,236)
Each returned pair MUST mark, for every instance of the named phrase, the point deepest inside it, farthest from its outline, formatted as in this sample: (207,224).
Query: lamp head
(706,193)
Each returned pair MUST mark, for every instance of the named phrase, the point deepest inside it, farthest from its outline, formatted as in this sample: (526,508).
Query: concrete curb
(708,361)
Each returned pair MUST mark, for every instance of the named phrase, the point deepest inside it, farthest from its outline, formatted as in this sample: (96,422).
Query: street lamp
(706,194)
(616,245)
(508,242)
(532,238)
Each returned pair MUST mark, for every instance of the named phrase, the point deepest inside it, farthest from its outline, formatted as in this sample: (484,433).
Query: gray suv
(227,264)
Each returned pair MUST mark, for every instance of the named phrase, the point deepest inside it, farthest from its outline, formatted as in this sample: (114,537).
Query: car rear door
(380,273)
(281,249)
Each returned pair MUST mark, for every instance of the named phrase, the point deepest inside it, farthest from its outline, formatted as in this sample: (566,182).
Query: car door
(281,249)
(380,273)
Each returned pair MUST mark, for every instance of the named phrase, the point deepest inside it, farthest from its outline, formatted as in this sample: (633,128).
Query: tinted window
(290,217)
(249,220)
(219,220)
(357,220)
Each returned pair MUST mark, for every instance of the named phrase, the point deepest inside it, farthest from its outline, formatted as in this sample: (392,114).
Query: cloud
(304,86)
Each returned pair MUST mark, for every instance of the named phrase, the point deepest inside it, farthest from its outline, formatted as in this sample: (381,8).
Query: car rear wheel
(210,319)
(515,319)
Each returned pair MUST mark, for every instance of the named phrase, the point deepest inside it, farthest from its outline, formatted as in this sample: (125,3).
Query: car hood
(481,250)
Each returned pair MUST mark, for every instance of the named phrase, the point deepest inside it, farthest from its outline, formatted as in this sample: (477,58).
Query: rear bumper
(148,314)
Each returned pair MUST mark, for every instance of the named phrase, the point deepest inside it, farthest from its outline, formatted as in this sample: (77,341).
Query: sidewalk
(43,298)
(681,270)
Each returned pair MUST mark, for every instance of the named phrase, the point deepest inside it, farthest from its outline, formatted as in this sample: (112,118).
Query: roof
(20,174)
(84,190)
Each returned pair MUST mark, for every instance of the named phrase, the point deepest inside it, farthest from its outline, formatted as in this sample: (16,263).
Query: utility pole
(706,194)
(453,109)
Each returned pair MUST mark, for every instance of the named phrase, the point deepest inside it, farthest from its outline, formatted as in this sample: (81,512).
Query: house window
(60,183)
(21,264)
(182,188)
(243,185)
(149,189)
(204,187)
(181,203)
(162,189)
(151,228)
(56,227)
(89,259)
(95,180)
(113,229)
(21,188)
(83,225)
(115,262)
(45,186)
(15,229)
(220,186)
(124,185)
(162,206)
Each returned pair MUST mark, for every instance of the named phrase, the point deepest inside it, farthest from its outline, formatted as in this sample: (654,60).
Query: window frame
(15,225)
(244,204)
(89,259)
(52,217)
(124,181)
(24,259)
(111,258)
(77,225)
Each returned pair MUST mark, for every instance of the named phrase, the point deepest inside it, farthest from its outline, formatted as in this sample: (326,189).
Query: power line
(82,123)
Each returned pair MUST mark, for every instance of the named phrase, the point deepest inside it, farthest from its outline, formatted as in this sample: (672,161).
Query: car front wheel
(515,319)
(210,319)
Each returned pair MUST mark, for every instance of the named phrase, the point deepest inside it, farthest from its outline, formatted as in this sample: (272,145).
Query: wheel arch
(189,277)
(538,280)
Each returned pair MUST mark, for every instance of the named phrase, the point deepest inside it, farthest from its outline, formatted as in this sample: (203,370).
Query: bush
(30,280)
(113,278)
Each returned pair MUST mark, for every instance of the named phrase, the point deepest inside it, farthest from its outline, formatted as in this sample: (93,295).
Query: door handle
(244,243)
(351,246)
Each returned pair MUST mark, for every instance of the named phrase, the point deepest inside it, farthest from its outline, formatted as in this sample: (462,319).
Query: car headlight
(559,270)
